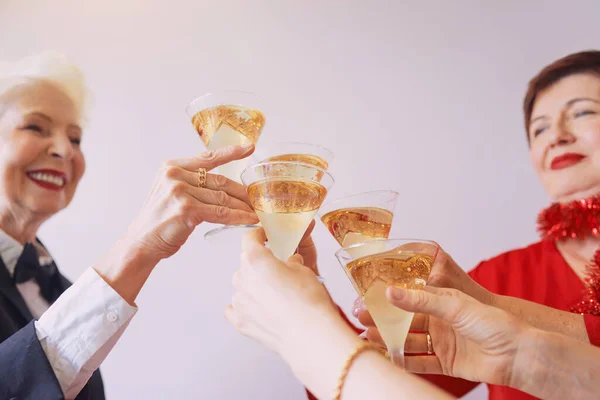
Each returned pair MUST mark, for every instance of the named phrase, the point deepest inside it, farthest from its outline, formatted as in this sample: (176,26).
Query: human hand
(279,304)
(176,204)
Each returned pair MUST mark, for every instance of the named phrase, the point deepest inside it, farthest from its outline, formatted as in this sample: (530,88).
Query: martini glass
(228,118)
(405,263)
(360,218)
(307,153)
(286,196)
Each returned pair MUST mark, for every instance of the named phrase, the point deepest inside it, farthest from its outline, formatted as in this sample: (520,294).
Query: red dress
(536,273)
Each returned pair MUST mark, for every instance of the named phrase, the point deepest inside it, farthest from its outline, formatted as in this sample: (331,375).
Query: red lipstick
(566,160)
(48,178)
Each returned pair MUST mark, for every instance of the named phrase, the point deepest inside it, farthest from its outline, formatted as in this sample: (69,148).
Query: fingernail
(358,307)
(397,293)
(359,302)
(247,146)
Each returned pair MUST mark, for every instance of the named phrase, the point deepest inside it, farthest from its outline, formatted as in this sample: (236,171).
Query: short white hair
(51,67)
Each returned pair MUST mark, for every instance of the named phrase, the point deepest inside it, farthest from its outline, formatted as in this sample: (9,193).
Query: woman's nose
(61,147)
(561,134)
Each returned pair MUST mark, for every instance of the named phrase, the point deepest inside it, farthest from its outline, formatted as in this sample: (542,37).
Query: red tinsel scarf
(577,220)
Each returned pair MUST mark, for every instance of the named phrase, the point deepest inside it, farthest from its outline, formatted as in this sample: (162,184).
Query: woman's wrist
(555,366)
(318,349)
(526,370)
(315,332)
(552,366)
(126,267)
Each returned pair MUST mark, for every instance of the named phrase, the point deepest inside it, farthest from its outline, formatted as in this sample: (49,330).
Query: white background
(421,97)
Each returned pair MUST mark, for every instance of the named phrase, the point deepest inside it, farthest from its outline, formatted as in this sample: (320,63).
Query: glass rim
(363,193)
(223,91)
(267,163)
(378,240)
(325,149)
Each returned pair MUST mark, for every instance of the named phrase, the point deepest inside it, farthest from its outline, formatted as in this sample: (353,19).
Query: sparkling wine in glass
(362,217)
(405,263)
(286,196)
(307,153)
(228,118)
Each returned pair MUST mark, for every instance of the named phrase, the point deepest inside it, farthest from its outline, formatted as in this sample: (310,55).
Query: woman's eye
(538,131)
(583,113)
(34,127)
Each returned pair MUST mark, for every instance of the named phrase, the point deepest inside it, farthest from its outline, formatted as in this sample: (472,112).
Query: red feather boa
(577,220)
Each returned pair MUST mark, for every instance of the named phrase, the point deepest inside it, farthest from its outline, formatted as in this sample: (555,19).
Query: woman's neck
(583,193)
(21,228)
(579,252)
(586,248)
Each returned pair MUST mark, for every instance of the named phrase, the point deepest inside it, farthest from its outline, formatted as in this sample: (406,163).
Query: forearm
(553,366)
(126,268)
(318,360)
(543,317)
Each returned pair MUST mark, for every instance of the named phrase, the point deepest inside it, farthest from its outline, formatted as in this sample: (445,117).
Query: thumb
(444,304)
(296,259)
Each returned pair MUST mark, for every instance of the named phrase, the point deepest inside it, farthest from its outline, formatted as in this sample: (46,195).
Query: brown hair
(585,61)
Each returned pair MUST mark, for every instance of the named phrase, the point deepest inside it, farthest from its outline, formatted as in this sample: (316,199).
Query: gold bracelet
(362,346)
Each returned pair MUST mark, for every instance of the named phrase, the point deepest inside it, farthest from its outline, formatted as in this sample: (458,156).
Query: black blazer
(25,372)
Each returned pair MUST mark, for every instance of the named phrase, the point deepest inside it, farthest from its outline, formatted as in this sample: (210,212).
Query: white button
(112,316)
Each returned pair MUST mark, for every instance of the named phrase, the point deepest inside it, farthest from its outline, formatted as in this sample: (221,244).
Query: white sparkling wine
(359,224)
(228,125)
(393,322)
(285,207)
(372,275)
(285,230)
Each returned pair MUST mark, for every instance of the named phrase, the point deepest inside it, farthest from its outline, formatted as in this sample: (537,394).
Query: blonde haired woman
(54,336)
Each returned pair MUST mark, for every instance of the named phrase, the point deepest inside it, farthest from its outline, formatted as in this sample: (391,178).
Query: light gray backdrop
(422,97)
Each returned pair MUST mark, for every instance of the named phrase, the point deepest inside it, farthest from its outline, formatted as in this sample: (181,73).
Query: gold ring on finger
(429,344)
(201,177)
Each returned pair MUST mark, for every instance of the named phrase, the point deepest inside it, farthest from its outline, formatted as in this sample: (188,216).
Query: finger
(305,244)
(254,238)
(253,245)
(439,276)
(217,183)
(223,215)
(213,158)
(364,317)
(420,323)
(232,317)
(232,188)
(218,198)
(358,306)
(297,259)
(236,278)
(441,303)
(423,364)
(374,336)
(416,343)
